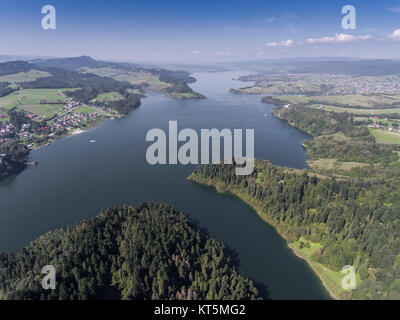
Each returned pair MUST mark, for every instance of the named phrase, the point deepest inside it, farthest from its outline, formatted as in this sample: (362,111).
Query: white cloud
(395,35)
(272,44)
(338,38)
(287,43)
(270,20)
(195,52)
(394,9)
(224,53)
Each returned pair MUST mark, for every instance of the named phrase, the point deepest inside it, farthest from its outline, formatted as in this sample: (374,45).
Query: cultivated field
(86,109)
(334,165)
(360,111)
(43,110)
(378,101)
(109,96)
(133,77)
(28,76)
(10,101)
(43,102)
(387,137)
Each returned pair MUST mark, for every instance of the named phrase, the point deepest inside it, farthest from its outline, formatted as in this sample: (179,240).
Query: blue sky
(200,31)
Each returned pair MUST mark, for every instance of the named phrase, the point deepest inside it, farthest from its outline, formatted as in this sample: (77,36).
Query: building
(2,156)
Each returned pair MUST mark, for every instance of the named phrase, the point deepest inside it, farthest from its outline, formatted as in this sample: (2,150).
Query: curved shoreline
(266,220)
(333,296)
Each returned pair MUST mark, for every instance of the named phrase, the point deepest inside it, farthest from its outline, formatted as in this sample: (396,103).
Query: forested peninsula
(144,252)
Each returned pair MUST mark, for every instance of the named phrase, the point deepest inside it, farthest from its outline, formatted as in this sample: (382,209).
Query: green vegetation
(144,252)
(339,168)
(109,96)
(85,109)
(11,67)
(337,136)
(36,96)
(347,221)
(306,249)
(171,83)
(360,104)
(181,91)
(38,102)
(44,111)
(13,157)
(343,211)
(360,111)
(386,137)
(358,101)
(43,102)
(138,77)
(127,104)
(27,76)
(6,88)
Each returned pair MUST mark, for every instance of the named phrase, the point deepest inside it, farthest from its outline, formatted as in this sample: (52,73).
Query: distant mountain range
(332,65)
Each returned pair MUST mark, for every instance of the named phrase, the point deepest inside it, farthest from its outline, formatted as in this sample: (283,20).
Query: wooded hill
(149,251)
(13,158)
(337,136)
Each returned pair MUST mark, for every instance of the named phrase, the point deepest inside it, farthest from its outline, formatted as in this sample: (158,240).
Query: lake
(75,179)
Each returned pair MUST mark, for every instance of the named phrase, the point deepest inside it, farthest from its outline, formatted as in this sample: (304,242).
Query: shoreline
(75,132)
(309,262)
(198,180)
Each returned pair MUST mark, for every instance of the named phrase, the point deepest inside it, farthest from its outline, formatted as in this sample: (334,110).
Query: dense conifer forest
(13,158)
(356,221)
(149,251)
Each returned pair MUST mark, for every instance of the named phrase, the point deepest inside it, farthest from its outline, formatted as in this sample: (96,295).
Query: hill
(11,67)
(71,64)
(144,252)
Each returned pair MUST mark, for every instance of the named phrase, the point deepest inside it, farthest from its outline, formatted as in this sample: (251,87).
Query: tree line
(357,221)
(144,252)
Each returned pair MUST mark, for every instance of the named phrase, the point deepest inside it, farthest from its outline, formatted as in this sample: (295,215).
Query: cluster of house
(24,132)
(71,121)
(389,86)
(71,105)
(64,123)
(343,84)
(5,128)
(68,121)
(377,125)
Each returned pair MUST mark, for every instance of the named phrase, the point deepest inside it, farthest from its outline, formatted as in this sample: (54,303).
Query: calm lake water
(75,179)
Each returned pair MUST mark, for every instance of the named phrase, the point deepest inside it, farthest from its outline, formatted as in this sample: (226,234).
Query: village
(391,125)
(336,84)
(37,131)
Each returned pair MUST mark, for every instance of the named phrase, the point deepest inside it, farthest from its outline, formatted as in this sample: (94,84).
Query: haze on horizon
(200,32)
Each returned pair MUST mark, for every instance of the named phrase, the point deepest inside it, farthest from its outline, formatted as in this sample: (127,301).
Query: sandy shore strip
(79,131)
